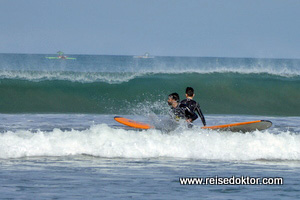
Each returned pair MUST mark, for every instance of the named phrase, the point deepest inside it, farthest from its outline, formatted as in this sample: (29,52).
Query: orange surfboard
(236,127)
(243,126)
(132,123)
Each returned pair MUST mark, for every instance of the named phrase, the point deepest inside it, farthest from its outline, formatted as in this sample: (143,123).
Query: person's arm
(192,116)
(200,114)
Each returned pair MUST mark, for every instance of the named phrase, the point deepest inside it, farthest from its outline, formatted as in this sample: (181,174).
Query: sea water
(58,139)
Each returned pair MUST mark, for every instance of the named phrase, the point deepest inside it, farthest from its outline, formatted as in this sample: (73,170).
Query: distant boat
(146,55)
(61,56)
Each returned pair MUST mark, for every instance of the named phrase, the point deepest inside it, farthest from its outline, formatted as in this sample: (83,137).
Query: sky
(202,28)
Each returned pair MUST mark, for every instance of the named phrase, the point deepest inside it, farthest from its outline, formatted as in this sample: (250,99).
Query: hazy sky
(227,28)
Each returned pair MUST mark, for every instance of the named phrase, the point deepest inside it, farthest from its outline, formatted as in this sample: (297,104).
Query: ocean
(58,139)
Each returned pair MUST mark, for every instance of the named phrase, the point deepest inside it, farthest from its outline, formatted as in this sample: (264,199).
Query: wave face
(126,85)
(103,141)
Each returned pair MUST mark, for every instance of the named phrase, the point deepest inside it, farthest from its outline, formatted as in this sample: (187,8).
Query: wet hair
(174,96)
(189,91)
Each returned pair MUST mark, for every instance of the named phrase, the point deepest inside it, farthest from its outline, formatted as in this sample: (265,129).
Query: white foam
(283,71)
(103,141)
(84,77)
(120,77)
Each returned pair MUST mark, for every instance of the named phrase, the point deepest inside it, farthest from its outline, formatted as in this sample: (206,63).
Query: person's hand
(189,120)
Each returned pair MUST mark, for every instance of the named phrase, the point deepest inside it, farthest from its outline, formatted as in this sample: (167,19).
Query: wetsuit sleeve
(200,114)
(194,117)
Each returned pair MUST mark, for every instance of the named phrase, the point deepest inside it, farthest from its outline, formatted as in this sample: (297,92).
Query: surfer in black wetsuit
(191,107)
(176,112)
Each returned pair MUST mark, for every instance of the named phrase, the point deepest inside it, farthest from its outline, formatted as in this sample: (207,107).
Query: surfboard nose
(132,123)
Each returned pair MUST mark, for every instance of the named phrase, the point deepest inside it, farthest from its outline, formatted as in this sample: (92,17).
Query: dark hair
(174,96)
(189,91)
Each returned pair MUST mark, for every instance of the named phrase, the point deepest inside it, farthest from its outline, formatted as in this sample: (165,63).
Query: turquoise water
(58,139)
(97,84)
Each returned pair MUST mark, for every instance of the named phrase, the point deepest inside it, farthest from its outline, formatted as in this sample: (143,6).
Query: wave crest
(121,77)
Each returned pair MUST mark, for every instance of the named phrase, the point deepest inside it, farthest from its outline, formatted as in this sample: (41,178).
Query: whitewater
(60,155)
(102,141)
(86,135)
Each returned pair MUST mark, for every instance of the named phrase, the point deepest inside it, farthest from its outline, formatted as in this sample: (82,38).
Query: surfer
(190,107)
(176,112)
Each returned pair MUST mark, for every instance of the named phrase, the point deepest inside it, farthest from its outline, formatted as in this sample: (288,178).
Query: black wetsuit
(190,107)
(177,113)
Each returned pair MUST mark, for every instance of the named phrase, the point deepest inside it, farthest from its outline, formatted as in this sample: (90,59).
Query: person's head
(189,92)
(173,99)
